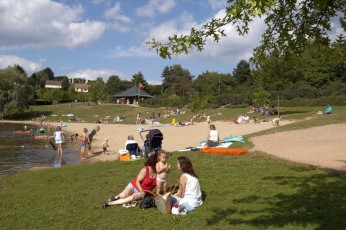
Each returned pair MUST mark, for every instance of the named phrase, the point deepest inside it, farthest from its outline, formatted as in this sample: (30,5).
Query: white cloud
(118,27)
(114,13)
(45,23)
(336,28)
(10,60)
(93,74)
(120,22)
(99,1)
(155,6)
(132,51)
(232,48)
(217,4)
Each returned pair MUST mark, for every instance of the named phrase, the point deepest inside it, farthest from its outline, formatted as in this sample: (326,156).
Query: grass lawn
(251,191)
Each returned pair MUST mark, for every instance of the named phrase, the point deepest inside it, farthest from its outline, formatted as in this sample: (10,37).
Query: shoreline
(305,146)
(175,138)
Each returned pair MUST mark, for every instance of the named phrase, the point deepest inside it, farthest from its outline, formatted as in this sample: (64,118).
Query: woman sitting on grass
(146,180)
(189,195)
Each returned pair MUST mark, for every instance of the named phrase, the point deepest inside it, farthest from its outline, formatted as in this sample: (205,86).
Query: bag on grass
(163,203)
(147,202)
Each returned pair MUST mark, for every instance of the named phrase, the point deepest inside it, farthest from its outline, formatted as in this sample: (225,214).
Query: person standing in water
(59,139)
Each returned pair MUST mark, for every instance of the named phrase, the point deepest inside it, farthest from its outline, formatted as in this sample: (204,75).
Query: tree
(261,96)
(291,25)
(213,84)
(113,85)
(243,72)
(55,95)
(65,82)
(96,90)
(138,78)
(15,92)
(176,80)
(43,75)
(20,69)
(79,81)
(276,73)
(339,50)
(196,104)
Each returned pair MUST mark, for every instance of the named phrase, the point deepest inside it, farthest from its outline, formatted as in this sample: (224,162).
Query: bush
(237,106)
(301,90)
(321,101)
(43,102)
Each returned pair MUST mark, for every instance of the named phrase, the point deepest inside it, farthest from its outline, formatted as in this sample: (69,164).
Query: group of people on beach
(86,139)
(154,174)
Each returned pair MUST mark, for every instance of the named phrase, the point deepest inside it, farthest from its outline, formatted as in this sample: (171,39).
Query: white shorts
(161,180)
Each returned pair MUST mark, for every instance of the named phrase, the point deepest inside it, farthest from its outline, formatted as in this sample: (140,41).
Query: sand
(323,146)
(320,146)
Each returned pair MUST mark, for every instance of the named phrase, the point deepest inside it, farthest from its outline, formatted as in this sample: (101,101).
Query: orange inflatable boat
(227,151)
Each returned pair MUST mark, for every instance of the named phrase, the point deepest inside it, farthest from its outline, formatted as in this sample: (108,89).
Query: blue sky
(100,38)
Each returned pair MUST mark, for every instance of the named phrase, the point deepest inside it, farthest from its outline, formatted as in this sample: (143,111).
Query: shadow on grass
(319,202)
(293,112)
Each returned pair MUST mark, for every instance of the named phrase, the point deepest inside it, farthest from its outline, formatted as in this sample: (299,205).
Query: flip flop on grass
(127,205)
(133,204)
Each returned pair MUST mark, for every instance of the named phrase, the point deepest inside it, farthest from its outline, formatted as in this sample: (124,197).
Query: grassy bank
(246,192)
(91,113)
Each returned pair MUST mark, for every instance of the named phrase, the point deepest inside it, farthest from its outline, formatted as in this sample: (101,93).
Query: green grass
(251,191)
(85,112)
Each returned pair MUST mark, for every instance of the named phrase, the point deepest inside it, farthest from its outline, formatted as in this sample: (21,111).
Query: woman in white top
(213,138)
(189,195)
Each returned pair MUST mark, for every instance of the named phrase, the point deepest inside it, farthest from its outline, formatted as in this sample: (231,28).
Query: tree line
(319,71)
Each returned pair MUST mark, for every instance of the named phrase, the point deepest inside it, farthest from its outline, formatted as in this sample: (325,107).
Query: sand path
(323,146)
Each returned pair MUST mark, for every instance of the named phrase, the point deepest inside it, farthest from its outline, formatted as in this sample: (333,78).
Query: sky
(99,38)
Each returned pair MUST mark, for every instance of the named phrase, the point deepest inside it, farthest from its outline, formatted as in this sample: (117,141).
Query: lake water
(21,152)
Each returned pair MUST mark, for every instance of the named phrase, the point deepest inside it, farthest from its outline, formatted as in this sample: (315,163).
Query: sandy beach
(175,138)
(320,146)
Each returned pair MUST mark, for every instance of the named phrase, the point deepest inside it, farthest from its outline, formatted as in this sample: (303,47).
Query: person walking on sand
(91,134)
(138,119)
(59,139)
(208,120)
(83,143)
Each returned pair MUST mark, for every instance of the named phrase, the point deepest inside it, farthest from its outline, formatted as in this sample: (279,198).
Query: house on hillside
(53,84)
(84,88)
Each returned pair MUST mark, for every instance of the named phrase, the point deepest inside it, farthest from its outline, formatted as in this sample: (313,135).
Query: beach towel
(233,139)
